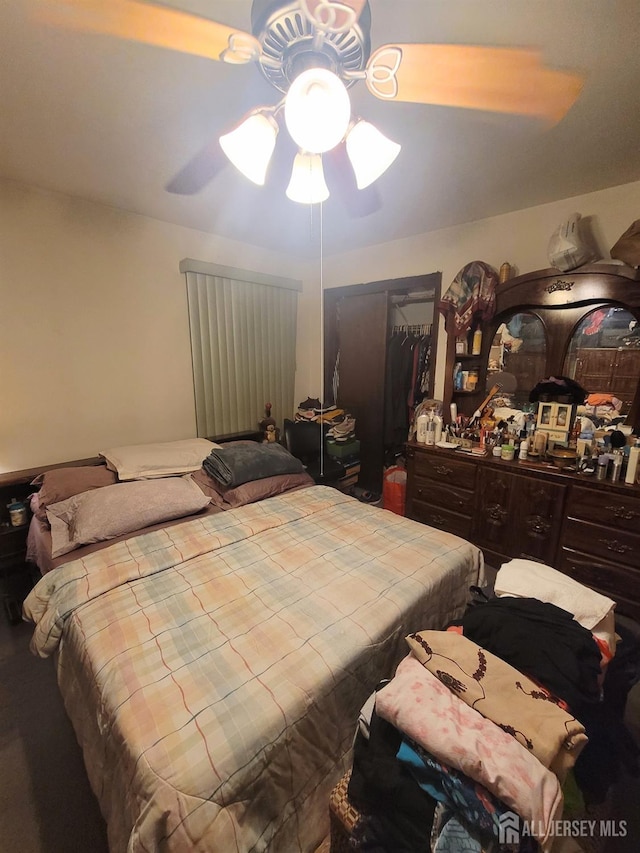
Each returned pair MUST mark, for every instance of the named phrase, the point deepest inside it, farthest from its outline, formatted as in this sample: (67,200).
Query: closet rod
(410,298)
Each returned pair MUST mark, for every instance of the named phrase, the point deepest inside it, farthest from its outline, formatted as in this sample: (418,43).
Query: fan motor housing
(291,44)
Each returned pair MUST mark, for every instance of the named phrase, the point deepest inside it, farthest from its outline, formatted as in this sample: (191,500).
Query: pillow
(62,483)
(163,459)
(102,514)
(211,488)
(255,490)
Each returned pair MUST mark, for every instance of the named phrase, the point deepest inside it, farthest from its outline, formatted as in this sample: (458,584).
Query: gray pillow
(112,511)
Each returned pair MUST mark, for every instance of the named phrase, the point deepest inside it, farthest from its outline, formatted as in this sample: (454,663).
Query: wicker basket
(343,816)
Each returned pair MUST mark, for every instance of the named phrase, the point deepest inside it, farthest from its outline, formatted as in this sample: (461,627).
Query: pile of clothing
(495,730)
(341,426)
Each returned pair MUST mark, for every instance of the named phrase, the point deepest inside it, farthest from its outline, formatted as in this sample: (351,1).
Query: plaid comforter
(214,670)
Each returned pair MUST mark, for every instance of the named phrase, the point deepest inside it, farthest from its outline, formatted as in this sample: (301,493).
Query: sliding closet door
(362,335)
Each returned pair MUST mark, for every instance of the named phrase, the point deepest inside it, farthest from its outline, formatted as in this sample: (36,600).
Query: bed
(213,668)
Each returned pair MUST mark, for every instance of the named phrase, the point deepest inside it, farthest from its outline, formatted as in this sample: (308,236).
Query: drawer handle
(539,525)
(623,512)
(614,545)
(496,513)
(437,519)
(443,470)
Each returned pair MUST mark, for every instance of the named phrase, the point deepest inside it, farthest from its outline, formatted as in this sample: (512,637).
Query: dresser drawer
(443,519)
(621,512)
(440,495)
(618,583)
(441,467)
(617,546)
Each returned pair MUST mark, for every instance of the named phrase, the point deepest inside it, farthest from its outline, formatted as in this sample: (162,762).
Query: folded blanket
(502,694)
(421,707)
(239,463)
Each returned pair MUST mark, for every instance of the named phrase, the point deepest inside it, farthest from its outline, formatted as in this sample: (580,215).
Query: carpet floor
(46,804)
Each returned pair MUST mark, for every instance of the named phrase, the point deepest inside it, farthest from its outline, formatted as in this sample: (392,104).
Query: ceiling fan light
(307,184)
(250,146)
(317,110)
(370,152)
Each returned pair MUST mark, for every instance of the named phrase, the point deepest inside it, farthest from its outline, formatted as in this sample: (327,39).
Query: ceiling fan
(312,52)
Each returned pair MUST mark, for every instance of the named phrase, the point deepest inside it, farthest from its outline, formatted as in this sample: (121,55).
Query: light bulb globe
(307,184)
(317,110)
(250,146)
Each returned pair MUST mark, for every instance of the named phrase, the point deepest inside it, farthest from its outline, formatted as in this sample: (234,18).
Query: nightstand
(16,575)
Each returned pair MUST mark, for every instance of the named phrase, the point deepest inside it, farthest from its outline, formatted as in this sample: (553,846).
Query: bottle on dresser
(431,430)
(476,345)
(616,465)
(633,465)
(438,427)
(422,422)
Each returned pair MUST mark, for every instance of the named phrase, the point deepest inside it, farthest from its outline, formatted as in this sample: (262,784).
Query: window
(243,345)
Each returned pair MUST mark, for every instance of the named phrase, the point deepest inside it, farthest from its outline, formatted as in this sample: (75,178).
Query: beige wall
(521,238)
(94,334)
(94,338)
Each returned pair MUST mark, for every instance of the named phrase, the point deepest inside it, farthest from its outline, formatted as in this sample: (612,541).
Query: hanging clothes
(407,380)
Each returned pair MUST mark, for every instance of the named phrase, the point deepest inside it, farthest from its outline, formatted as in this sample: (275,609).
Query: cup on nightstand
(17,513)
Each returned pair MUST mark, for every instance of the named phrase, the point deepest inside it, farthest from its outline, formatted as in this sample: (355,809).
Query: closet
(370,333)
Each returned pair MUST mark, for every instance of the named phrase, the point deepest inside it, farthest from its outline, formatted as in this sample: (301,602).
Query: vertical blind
(243,345)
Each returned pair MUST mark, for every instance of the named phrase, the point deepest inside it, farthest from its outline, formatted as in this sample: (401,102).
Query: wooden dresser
(585,528)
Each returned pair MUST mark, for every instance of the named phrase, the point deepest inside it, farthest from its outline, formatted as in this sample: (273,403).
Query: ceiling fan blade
(211,159)
(496,79)
(199,171)
(341,181)
(334,16)
(148,23)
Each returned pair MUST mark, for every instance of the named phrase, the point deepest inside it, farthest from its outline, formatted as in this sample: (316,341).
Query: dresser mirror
(517,356)
(604,357)
(584,325)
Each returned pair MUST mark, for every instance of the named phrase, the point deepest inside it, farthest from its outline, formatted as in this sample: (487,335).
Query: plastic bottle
(524,449)
(438,427)
(602,466)
(431,431)
(421,428)
(616,466)
(633,465)
(476,346)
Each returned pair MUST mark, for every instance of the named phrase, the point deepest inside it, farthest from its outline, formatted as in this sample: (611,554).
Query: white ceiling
(114,121)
